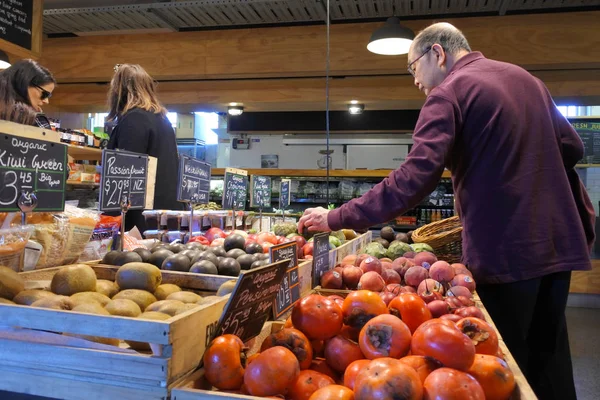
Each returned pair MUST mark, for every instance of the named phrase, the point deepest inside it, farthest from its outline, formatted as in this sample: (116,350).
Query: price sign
(16,23)
(251,301)
(289,292)
(235,191)
(284,193)
(320,257)
(32,166)
(589,132)
(260,191)
(123,174)
(194,180)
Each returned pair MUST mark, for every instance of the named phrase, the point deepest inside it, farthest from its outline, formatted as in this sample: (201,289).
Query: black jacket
(141,131)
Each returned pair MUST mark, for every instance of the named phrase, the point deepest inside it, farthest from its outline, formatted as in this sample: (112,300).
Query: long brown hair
(132,87)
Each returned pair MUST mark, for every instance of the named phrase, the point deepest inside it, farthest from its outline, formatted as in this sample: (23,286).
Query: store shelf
(84,153)
(336,173)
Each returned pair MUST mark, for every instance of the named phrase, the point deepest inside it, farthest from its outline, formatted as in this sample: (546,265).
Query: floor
(584,334)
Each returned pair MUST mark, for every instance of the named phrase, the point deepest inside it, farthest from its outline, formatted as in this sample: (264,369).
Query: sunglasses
(45,94)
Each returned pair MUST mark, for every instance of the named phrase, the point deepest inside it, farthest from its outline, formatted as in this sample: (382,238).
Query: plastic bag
(12,246)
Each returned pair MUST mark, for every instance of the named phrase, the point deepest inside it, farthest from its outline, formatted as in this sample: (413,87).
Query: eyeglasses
(45,94)
(410,68)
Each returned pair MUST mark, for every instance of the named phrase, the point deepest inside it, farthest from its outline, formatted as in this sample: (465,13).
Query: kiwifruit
(140,297)
(152,315)
(73,279)
(28,297)
(137,275)
(6,301)
(186,297)
(10,283)
(186,307)
(55,302)
(170,307)
(127,257)
(109,258)
(91,308)
(143,253)
(107,288)
(123,308)
(226,287)
(209,300)
(89,297)
(164,290)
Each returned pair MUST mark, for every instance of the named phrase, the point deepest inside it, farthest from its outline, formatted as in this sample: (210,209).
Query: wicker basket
(445,237)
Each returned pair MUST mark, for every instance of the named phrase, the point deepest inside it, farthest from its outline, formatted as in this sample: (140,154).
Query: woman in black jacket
(143,127)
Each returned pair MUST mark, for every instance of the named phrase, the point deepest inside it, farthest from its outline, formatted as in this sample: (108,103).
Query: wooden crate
(39,360)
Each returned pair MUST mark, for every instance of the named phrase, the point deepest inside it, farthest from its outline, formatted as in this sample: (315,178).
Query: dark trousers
(530,316)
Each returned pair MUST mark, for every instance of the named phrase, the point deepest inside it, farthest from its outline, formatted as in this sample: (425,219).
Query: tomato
(272,372)
(388,378)
(422,364)
(283,239)
(252,236)
(353,370)
(450,384)
(320,365)
(217,242)
(199,239)
(266,237)
(214,233)
(223,364)
(341,352)
(384,336)
(494,376)
(265,246)
(307,383)
(294,340)
(307,249)
(482,334)
(411,309)
(446,344)
(362,305)
(333,392)
(299,240)
(318,317)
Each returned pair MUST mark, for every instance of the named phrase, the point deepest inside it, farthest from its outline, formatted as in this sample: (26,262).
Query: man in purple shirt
(527,219)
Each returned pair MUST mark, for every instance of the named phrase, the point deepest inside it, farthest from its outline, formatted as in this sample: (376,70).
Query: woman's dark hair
(14,90)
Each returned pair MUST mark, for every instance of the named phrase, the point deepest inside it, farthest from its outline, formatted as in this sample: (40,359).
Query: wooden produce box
(35,358)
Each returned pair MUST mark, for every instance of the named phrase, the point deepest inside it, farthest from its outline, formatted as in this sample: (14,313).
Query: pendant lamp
(391,39)
(4,61)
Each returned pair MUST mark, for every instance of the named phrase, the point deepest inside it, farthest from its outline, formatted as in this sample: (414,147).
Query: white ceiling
(91,16)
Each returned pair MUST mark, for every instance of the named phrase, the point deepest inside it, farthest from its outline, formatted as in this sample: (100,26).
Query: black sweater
(141,131)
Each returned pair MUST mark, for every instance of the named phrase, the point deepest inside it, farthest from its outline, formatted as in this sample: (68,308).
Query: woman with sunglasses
(142,127)
(25,87)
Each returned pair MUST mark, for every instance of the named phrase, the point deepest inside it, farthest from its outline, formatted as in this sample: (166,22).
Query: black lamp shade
(391,39)
(4,61)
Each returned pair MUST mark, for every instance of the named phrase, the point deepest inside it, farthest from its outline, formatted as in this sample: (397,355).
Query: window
(205,123)
(172,116)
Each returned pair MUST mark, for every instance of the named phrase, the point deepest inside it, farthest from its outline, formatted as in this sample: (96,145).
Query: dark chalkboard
(194,180)
(251,301)
(32,166)
(289,292)
(589,132)
(123,174)
(235,190)
(260,191)
(284,193)
(320,257)
(16,22)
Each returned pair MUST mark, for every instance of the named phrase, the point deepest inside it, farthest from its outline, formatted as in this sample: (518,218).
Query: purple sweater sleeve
(406,186)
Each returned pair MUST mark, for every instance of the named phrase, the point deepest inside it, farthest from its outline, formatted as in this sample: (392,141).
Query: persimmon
(224,362)
(288,323)
(411,309)
(320,365)
(446,344)
(353,370)
(494,376)
(422,364)
(341,352)
(482,334)
(318,346)
(350,332)
(384,336)
(388,378)
(450,384)
(307,383)
(294,340)
(272,372)
(339,300)
(251,358)
(333,392)
(360,306)
(318,317)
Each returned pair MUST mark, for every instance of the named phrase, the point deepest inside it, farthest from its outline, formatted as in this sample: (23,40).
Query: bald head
(446,35)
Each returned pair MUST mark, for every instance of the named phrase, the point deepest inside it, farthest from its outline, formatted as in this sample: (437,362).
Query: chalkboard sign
(16,22)
(194,180)
(32,166)
(235,190)
(589,132)
(251,301)
(320,257)
(123,174)
(289,292)
(284,193)
(260,191)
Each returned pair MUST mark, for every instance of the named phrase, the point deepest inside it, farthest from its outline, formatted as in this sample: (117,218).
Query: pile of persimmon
(359,348)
